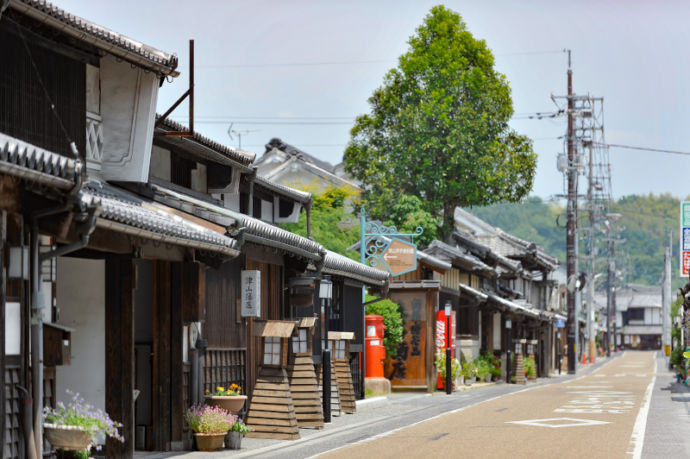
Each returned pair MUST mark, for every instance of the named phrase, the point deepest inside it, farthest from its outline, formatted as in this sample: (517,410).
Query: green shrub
(469,370)
(483,368)
(677,357)
(392,319)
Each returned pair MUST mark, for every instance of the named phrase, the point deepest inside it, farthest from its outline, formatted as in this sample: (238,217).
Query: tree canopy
(438,128)
(332,226)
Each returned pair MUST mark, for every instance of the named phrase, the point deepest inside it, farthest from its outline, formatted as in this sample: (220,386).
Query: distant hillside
(647,221)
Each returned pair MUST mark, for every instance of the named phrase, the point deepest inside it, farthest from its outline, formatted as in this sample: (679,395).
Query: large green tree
(438,128)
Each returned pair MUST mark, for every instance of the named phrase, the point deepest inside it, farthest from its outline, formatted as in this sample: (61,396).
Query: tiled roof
(102,37)
(297,195)
(126,212)
(337,264)
(24,160)
(501,242)
(512,306)
(433,261)
(243,157)
(296,152)
(458,257)
(255,230)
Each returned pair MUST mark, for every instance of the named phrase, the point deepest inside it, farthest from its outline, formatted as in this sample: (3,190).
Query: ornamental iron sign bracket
(384,247)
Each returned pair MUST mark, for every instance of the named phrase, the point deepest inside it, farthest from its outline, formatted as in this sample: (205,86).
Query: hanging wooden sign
(250,293)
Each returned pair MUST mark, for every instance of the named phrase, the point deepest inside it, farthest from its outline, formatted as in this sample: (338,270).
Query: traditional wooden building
(81,235)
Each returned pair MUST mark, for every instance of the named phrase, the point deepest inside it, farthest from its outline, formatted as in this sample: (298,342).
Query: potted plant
(530,368)
(229,399)
(210,425)
(483,369)
(441,366)
(470,372)
(77,426)
(238,430)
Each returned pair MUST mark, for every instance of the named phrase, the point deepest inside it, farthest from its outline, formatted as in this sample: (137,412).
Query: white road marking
(571,422)
(637,437)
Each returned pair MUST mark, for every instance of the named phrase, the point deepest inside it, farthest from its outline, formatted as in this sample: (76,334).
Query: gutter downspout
(37,307)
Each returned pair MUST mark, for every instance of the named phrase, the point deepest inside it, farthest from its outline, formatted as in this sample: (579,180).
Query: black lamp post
(325,294)
(449,385)
(508,346)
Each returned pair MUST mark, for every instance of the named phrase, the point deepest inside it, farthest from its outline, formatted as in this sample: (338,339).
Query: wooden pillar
(119,344)
(3,280)
(176,368)
(161,356)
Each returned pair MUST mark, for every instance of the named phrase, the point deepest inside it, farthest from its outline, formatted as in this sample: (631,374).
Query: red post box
(375,350)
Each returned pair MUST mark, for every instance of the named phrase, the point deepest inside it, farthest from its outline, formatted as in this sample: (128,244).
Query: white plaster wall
(232,201)
(267,211)
(80,294)
(199,178)
(160,163)
(128,109)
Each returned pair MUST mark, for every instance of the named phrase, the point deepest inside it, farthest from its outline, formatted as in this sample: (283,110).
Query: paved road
(600,414)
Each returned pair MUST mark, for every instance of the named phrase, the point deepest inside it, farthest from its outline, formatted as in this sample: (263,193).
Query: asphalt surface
(603,411)
(594,415)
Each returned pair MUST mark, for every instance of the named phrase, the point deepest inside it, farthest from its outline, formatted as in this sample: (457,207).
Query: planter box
(231,403)
(68,438)
(210,441)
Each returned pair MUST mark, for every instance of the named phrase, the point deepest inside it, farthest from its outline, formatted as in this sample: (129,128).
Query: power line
(353,62)
(656,150)
(297,64)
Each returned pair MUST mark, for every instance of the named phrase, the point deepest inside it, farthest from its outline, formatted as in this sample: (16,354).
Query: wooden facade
(413,368)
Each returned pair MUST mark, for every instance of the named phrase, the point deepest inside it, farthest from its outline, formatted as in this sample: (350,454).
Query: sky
(301,70)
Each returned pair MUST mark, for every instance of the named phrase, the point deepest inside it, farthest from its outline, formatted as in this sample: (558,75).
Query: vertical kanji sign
(250,284)
(685,239)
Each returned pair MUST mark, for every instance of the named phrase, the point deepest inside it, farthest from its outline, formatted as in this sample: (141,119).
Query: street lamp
(508,344)
(448,310)
(326,294)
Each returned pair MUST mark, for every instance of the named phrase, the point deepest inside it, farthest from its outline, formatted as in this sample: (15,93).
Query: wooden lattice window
(339,349)
(299,342)
(272,351)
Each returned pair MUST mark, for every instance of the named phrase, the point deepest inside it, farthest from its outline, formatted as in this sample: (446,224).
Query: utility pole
(610,299)
(590,261)
(571,227)
(666,300)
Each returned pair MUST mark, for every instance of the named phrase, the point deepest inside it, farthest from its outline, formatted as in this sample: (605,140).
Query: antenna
(239,133)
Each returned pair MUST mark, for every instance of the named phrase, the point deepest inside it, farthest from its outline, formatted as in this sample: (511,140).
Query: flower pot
(69,438)
(234,440)
(231,403)
(209,441)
